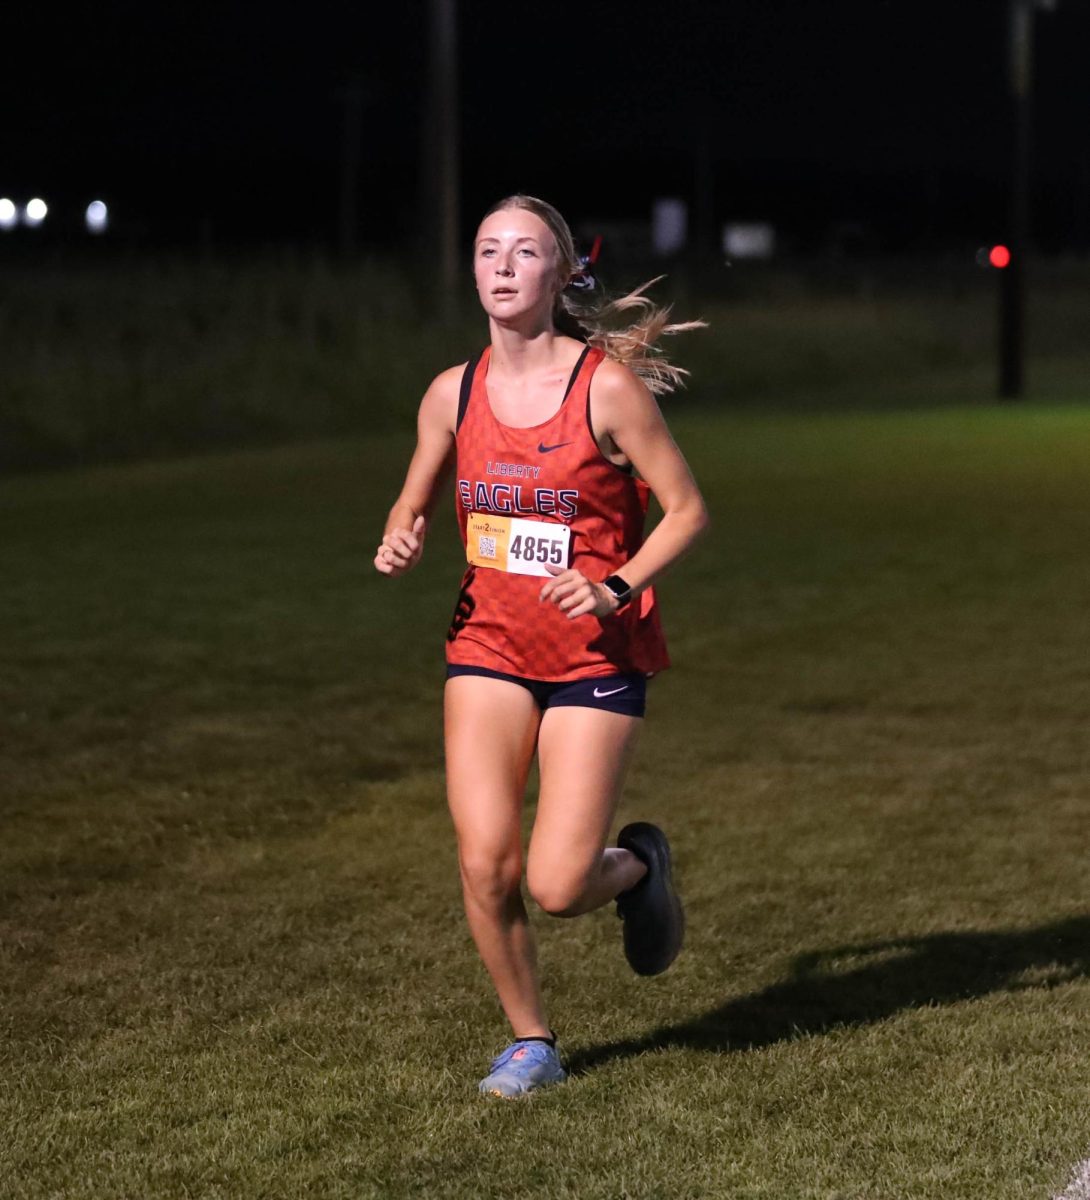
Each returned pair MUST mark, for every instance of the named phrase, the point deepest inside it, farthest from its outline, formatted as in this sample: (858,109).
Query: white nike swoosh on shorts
(602,695)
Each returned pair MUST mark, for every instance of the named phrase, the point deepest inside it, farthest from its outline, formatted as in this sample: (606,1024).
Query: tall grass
(168,356)
(162,356)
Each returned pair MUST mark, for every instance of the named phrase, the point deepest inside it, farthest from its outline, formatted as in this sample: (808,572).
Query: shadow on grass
(863,984)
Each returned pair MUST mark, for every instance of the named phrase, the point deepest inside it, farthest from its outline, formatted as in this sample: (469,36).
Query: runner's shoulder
(448,382)
(440,401)
(617,392)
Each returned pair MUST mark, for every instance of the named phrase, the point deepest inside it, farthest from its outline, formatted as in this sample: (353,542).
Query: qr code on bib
(487,547)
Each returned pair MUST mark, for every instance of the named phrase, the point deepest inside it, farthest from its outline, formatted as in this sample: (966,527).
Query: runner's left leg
(582,755)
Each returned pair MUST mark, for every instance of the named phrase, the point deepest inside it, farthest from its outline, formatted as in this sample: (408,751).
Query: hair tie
(585,280)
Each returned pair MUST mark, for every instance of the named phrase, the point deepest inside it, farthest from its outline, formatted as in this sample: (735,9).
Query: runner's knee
(491,879)
(559,892)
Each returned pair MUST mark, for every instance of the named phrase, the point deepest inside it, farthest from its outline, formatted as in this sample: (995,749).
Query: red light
(999,256)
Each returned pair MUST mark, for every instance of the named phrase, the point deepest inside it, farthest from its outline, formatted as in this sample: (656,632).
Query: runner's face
(514,264)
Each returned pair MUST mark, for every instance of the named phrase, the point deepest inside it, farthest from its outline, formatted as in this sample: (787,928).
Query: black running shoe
(654,921)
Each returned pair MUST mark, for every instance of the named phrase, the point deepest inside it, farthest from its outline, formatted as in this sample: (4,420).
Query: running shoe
(654,921)
(523,1067)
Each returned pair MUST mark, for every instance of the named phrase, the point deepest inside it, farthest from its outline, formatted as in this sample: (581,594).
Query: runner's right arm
(403,540)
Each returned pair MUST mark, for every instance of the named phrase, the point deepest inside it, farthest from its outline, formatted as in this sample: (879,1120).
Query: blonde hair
(591,317)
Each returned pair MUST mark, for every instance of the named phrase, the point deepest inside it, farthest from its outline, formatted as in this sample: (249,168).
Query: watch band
(620,589)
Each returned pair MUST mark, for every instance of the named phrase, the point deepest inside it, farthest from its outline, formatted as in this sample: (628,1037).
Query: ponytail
(582,311)
(633,344)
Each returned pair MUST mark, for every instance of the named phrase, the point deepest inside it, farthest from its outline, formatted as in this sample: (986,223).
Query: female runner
(556,442)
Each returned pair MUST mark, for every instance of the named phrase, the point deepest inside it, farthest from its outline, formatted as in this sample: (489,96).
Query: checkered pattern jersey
(543,472)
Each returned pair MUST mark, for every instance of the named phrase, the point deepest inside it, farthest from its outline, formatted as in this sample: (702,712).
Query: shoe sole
(650,843)
(519,1095)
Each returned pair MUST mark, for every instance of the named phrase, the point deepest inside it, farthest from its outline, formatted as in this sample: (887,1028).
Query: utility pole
(704,251)
(442,129)
(352,96)
(1012,285)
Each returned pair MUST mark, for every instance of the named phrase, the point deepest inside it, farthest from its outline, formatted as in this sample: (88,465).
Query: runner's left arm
(626,416)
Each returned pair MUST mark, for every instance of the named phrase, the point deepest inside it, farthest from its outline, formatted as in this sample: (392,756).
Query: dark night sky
(885,111)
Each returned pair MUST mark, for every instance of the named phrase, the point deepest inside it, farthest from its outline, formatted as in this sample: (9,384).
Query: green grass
(234,961)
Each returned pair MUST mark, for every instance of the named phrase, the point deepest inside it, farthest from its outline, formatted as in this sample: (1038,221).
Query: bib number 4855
(529,549)
(515,544)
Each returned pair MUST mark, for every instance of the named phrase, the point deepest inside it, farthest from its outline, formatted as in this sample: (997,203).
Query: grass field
(234,961)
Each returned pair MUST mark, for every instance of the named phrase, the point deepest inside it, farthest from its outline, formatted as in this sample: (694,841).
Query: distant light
(9,214)
(96,217)
(751,239)
(999,256)
(35,211)
(669,226)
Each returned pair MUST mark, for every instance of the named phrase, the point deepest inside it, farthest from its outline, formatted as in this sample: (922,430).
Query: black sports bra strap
(467,387)
(628,468)
(575,371)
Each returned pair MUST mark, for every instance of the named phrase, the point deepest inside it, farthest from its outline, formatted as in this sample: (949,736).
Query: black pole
(702,248)
(443,141)
(1012,287)
(348,223)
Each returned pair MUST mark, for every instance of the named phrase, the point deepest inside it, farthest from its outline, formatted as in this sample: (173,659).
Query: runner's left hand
(573,593)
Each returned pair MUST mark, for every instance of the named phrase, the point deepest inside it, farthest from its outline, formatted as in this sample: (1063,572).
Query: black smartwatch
(621,591)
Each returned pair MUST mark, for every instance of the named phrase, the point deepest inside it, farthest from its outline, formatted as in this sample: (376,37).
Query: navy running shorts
(625,694)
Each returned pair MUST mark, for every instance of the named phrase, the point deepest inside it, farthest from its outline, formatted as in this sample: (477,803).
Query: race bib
(514,545)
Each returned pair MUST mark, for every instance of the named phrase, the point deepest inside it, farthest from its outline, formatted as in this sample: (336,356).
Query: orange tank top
(552,472)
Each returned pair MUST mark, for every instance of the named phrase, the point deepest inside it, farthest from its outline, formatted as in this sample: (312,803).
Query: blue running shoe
(523,1067)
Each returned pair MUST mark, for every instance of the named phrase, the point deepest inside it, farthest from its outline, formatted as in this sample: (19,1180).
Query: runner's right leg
(491,733)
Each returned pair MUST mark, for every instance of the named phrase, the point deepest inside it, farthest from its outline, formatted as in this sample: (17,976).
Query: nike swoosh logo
(602,695)
(543,449)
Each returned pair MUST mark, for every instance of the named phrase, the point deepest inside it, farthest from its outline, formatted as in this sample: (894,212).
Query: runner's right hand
(400,549)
